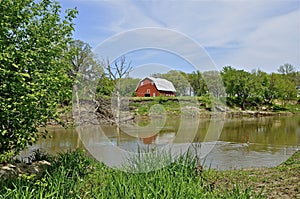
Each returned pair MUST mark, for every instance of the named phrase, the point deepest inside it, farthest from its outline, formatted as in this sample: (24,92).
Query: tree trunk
(78,105)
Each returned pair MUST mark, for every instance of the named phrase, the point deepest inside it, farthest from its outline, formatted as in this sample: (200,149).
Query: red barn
(152,87)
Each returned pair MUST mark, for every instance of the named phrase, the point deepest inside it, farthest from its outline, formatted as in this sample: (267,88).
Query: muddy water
(223,143)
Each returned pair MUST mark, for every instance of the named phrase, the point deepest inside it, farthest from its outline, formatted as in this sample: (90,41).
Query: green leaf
(15,65)
(25,75)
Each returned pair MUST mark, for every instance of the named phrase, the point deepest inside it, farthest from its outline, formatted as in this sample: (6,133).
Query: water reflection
(248,142)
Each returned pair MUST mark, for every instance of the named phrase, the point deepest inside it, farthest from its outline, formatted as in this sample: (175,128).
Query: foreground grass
(74,175)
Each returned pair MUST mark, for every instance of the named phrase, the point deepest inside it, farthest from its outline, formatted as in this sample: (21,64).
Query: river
(226,143)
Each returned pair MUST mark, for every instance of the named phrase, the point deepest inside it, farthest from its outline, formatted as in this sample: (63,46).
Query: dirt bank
(282,181)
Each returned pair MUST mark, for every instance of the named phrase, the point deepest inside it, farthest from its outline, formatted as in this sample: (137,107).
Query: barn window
(148,90)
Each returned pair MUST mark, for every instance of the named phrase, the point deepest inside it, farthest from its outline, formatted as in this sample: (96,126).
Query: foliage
(214,83)
(128,86)
(105,86)
(74,175)
(284,88)
(257,88)
(197,83)
(63,179)
(239,88)
(239,84)
(33,75)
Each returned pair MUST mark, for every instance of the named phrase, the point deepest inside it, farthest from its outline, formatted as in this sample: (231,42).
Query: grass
(294,108)
(277,182)
(172,105)
(74,175)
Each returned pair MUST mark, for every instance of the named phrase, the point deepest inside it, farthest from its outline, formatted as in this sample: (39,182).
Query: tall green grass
(74,175)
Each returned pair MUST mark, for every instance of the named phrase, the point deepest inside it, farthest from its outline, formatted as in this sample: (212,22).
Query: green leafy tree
(264,88)
(105,86)
(296,78)
(197,83)
(239,84)
(33,38)
(284,88)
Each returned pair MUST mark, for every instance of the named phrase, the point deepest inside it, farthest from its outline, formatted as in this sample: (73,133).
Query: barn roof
(161,84)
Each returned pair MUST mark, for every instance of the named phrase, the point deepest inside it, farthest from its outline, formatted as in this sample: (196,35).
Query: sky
(163,35)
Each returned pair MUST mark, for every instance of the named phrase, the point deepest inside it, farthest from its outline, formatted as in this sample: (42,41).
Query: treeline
(239,87)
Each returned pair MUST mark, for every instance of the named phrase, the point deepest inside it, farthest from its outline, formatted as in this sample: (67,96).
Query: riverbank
(282,181)
(74,175)
(136,107)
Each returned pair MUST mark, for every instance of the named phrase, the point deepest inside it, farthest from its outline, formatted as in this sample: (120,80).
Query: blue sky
(246,34)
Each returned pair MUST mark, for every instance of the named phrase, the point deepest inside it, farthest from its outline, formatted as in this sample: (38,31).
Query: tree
(117,71)
(197,83)
(105,86)
(81,58)
(83,71)
(239,84)
(284,89)
(264,87)
(214,83)
(286,69)
(290,71)
(33,38)
(128,86)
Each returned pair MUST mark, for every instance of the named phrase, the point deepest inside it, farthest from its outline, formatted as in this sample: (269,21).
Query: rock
(9,170)
(220,108)
(264,108)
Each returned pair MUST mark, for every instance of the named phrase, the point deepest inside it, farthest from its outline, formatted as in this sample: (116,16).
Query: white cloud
(242,33)
(273,43)
(127,16)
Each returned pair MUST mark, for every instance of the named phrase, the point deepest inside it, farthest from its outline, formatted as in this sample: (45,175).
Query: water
(225,143)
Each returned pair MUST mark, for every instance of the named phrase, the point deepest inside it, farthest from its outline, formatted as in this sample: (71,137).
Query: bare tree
(116,71)
(120,69)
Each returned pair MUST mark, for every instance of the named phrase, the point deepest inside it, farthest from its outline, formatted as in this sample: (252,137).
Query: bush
(33,78)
